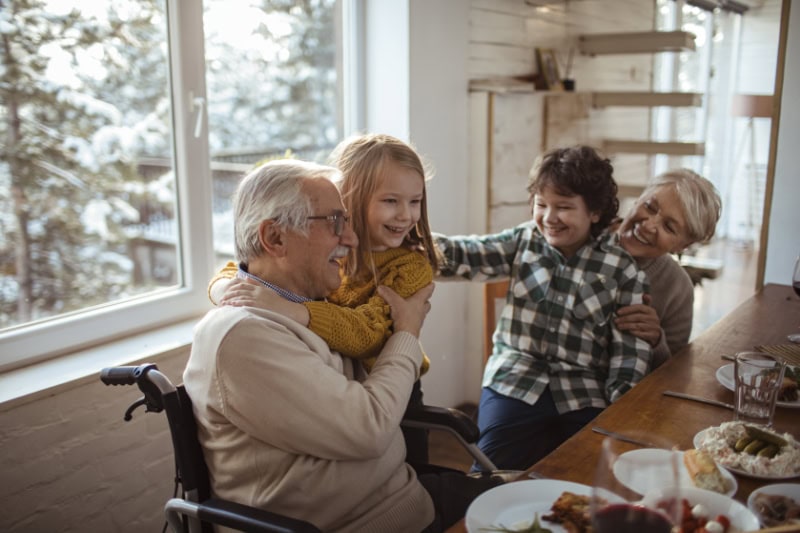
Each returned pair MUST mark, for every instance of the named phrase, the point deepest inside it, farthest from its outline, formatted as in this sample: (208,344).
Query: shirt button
(560,298)
(552,329)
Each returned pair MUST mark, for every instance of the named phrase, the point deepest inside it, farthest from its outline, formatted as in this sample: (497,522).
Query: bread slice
(704,471)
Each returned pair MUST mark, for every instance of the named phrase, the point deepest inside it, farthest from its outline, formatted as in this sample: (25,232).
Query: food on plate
(696,519)
(572,512)
(759,442)
(535,527)
(765,454)
(704,471)
(791,378)
(776,510)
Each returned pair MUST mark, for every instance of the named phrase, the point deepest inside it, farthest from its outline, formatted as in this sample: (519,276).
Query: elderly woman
(677,209)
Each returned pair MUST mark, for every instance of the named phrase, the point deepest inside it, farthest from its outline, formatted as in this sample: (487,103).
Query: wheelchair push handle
(124,375)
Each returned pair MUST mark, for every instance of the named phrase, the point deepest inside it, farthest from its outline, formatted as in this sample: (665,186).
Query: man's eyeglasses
(338,218)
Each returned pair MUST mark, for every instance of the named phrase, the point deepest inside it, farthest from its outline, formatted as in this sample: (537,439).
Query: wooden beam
(636,43)
(653,147)
(646,99)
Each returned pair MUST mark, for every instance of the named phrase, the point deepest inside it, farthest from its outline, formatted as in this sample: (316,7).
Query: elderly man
(286,424)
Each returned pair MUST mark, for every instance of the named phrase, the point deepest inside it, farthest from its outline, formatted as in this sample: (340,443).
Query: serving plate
(742,518)
(627,469)
(790,490)
(725,378)
(698,443)
(513,505)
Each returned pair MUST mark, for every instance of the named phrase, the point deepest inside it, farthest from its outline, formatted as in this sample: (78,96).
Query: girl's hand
(640,320)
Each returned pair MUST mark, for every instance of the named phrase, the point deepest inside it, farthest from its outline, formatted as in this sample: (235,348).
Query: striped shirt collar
(287,295)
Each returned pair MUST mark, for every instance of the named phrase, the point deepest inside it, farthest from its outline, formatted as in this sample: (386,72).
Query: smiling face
(313,260)
(656,225)
(395,207)
(564,221)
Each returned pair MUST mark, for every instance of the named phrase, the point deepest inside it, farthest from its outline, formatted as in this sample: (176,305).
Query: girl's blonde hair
(362,160)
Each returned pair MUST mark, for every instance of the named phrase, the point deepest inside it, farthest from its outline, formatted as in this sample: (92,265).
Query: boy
(558,358)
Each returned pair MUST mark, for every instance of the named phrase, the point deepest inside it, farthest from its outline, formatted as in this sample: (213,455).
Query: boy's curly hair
(578,170)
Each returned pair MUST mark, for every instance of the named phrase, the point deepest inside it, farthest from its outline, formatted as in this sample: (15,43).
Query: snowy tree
(85,141)
(66,147)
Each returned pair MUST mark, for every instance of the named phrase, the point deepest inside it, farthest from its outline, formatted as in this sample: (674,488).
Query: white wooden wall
(503,37)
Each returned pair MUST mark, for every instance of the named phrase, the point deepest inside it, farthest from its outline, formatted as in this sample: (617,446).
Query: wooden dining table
(766,318)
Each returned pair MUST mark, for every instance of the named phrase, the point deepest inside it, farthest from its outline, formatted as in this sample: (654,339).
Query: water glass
(758,378)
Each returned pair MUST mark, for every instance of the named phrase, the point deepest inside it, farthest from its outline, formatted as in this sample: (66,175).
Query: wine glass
(637,489)
(795,337)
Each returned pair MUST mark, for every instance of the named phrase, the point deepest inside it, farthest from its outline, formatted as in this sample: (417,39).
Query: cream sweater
(289,426)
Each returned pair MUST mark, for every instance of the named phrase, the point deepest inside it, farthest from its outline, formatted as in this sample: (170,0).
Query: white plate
(629,470)
(725,378)
(742,518)
(790,490)
(698,441)
(514,504)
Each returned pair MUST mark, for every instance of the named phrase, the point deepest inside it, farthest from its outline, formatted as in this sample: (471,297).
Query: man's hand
(409,314)
(640,320)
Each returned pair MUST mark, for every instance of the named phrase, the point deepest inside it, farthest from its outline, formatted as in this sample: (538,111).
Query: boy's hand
(409,314)
(640,320)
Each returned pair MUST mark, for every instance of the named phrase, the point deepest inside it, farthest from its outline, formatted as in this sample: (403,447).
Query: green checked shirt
(557,326)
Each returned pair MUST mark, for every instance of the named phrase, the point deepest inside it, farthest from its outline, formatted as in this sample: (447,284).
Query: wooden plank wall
(503,37)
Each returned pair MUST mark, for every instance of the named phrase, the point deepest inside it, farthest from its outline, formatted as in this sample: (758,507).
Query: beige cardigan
(293,428)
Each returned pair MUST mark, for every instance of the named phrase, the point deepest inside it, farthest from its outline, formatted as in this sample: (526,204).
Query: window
(122,144)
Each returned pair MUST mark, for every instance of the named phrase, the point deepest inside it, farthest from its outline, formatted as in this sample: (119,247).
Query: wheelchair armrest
(430,417)
(238,516)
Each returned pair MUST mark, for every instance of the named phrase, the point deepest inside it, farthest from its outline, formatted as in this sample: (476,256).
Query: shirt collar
(287,295)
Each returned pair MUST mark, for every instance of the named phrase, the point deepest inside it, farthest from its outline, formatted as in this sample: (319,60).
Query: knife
(698,399)
(624,438)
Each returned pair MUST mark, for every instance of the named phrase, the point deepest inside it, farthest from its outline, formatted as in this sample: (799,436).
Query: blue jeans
(515,435)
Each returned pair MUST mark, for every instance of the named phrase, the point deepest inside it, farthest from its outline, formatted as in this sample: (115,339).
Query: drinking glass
(616,507)
(758,377)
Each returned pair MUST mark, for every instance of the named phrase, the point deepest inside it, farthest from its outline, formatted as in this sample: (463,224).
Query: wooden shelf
(628,190)
(646,99)
(636,43)
(653,147)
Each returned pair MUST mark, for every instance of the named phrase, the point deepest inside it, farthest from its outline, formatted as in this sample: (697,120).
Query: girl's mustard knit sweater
(354,320)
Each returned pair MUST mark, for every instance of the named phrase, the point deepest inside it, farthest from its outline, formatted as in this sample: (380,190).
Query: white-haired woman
(677,209)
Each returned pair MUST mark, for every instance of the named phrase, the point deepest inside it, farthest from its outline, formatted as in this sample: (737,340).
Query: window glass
(272,90)
(92,121)
(86,184)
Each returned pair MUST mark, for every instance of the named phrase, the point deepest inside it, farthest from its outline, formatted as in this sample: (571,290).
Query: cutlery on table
(624,438)
(698,399)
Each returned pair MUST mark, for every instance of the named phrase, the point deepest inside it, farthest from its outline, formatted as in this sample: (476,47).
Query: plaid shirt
(557,324)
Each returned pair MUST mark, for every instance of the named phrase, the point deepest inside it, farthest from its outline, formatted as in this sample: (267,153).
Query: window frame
(70,333)
(51,338)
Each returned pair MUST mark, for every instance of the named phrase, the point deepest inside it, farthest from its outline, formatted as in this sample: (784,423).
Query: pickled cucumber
(754,447)
(770,451)
(742,443)
(765,436)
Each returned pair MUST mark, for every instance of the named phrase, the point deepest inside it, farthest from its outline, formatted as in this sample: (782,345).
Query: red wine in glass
(796,276)
(629,518)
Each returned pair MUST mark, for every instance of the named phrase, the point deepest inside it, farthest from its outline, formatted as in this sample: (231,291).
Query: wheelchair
(196,510)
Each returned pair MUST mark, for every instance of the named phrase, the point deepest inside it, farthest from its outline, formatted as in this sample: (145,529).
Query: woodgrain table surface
(766,318)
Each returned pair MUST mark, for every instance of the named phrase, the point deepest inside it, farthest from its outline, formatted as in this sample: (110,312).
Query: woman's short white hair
(273,191)
(700,200)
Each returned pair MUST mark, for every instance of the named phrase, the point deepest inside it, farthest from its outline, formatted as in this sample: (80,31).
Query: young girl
(558,359)
(383,190)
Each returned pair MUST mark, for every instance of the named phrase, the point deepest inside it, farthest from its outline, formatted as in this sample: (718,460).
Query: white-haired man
(286,424)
